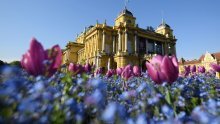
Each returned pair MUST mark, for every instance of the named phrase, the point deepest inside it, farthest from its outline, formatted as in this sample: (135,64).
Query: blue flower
(109,113)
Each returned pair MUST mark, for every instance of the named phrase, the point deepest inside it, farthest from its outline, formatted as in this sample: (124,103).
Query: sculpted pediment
(209,57)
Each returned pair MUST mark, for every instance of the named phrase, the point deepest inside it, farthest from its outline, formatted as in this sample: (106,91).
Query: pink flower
(99,71)
(33,60)
(154,69)
(119,71)
(55,57)
(187,70)
(127,72)
(193,69)
(136,71)
(110,72)
(201,69)
(170,68)
(215,67)
(75,68)
(162,69)
(87,68)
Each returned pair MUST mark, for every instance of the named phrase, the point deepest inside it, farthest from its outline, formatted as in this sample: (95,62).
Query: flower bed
(63,98)
(43,91)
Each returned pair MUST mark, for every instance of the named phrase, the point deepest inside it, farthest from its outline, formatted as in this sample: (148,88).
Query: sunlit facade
(121,44)
(205,60)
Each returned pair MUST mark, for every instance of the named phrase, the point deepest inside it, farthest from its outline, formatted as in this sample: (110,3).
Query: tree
(15,63)
(2,63)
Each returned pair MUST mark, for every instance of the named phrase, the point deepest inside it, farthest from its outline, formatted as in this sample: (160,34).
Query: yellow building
(121,44)
(205,60)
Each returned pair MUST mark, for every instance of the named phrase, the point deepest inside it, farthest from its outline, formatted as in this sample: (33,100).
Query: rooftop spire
(126,3)
(162,14)
(163,22)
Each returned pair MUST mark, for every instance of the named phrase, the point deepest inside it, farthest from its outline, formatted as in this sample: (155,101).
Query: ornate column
(165,48)
(95,43)
(126,41)
(103,41)
(119,40)
(135,43)
(97,62)
(97,40)
(162,48)
(113,47)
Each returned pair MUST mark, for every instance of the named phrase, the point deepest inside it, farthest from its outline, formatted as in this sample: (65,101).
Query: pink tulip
(110,72)
(127,72)
(87,67)
(55,57)
(99,71)
(170,68)
(212,72)
(119,71)
(187,70)
(215,67)
(33,60)
(75,68)
(162,69)
(154,69)
(136,71)
(193,69)
(113,71)
(201,69)
(81,68)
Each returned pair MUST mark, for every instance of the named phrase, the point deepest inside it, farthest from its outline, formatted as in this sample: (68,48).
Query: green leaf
(156,111)
(167,97)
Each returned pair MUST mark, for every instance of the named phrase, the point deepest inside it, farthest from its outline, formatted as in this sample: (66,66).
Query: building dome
(163,25)
(126,12)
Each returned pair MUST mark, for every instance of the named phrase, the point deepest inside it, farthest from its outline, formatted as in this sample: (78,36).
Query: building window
(107,49)
(170,51)
(150,47)
(158,48)
(142,45)
(129,21)
(129,47)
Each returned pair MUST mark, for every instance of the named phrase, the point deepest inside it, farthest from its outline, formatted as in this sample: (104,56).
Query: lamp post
(169,49)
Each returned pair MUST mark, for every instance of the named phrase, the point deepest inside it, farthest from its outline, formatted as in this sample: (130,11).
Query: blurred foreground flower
(136,71)
(193,69)
(127,72)
(74,68)
(88,67)
(201,69)
(99,71)
(163,68)
(119,71)
(54,56)
(215,67)
(110,72)
(37,61)
(186,70)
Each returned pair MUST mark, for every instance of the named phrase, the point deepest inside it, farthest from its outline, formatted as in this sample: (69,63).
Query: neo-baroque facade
(121,44)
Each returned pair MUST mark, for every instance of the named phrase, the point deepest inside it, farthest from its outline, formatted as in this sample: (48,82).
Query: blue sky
(196,23)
